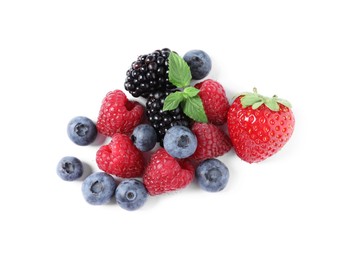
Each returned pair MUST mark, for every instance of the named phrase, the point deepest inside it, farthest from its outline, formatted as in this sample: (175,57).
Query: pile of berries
(179,125)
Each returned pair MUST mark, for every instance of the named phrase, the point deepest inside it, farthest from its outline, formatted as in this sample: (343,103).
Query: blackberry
(148,74)
(163,120)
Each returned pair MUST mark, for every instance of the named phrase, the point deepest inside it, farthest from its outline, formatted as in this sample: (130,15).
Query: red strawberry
(211,141)
(118,115)
(165,173)
(121,158)
(214,101)
(259,126)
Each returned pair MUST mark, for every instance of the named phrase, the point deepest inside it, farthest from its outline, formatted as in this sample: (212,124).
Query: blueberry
(69,168)
(98,188)
(82,130)
(199,62)
(131,194)
(144,137)
(180,142)
(212,175)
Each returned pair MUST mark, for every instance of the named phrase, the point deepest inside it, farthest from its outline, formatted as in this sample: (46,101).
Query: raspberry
(212,141)
(120,157)
(163,120)
(118,115)
(148,74)
(214,101)
(164,173)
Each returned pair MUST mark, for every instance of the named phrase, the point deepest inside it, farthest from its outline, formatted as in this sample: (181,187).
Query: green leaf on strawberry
(272,104)
(256,105)
(255,101)
(250,99)
(284,102)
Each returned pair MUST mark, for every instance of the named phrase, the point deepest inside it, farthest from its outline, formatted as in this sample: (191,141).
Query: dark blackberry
(148,74)
(163,120)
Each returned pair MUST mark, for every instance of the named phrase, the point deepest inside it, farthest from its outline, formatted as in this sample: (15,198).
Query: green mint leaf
(179,71)
(172,101)
(250,99)
(191,91)
(193,108)
(272,104)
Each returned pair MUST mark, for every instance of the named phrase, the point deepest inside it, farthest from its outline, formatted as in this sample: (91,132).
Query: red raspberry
(165,173)
(118,115)
(211,141)
(214,101)
(121,158)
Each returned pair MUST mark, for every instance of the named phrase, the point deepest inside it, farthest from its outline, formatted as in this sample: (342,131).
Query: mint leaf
(172,101)
(191,91)
(193,108)
(179,71)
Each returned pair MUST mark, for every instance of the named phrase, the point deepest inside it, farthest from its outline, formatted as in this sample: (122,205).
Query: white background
(58,59)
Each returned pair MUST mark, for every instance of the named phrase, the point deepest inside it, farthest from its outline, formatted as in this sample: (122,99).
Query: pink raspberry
(121,158)
(118,115)
(214,101)
(165,173)
(211,141)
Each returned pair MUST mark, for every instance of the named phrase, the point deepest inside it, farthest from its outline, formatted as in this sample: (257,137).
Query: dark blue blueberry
(82,130)
(212,175)
(144,137)
(69,168)
(131,194)
(199,62)
(98,188)
(180,142)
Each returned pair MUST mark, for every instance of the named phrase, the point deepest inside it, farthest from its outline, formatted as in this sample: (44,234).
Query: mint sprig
(187,96)
(193,108)
(179,71)
(172,101)
(190,102)
(191,91)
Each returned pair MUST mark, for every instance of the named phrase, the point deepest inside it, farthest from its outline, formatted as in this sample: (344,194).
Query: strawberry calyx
(255,100)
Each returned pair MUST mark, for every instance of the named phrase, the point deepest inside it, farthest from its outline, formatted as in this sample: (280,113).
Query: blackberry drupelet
(163,120)
(148,74)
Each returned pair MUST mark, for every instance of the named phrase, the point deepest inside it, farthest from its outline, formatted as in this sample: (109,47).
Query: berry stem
(255,100)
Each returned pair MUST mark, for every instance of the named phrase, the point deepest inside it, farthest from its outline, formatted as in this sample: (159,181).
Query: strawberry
(118,115)
(165,173)
(259,126)
(212,141)
(120,157)
(214,101)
